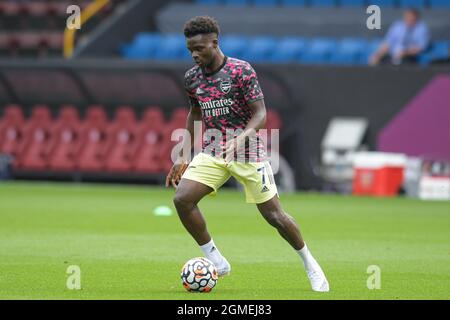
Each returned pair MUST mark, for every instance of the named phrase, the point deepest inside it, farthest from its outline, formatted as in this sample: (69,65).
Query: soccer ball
(199,275)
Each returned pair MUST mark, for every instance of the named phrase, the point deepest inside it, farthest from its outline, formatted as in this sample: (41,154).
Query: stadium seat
(349,51)
(320,3)
(439,50)
(208,2)
(149,139)
(95,140)
(233,45)
(264,2)
(383,3)
(419,4)
(236,2)
(260,49)
(171,47)
(12,112)
(350,3)
(293,2)
(11,130)
(177,121)
(123,132)
(318,51)
(440,4)
(288,49)
(143,46)
(38,136)
(66,140)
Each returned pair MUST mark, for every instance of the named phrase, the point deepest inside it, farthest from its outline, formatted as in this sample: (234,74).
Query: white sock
(212,253)
(308,259)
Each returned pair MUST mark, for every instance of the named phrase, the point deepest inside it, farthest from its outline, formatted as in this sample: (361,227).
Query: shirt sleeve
(423,36)
(193,102)
(392,34)
(190,91)
(251,88)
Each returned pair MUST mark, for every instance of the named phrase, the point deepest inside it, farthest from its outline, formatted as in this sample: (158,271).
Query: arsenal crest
(225,86)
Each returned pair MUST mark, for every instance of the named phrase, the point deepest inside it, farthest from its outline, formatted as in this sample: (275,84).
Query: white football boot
(224,268)
(316,276)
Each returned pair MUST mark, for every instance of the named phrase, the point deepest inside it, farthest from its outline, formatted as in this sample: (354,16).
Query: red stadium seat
(53,40)
(123,133)
(177,121)
(12,112)
(38,137)
(11,130)
(154,115)
(9,8)
(67,140)
(179,117)
(147,158)
(95,140)
(29,40)
(38,8)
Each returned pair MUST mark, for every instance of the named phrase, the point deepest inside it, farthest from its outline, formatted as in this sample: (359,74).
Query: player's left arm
(257,121)
(254,99)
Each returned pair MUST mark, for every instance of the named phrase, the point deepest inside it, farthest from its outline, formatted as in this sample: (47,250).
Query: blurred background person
(405,40)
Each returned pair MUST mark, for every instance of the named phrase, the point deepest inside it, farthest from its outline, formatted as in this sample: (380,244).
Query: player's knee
(275,218)
(181,202)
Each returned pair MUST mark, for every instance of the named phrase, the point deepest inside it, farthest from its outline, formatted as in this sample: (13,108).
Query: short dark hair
(200,25)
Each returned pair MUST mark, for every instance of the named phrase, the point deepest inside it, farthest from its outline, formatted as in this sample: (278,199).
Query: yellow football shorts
(256,177)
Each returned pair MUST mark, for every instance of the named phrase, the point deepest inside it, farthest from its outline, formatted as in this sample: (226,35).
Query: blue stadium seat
(146,39)
(383,3)
(234,45)
(259,49)
(264,2)
(348,3)
(171,46)
(143,46)
(293,2)
(288,49)
(208,2)
(236,2)
(419,4)
(349,51)
(321,3)
(439,3)
(438,50)
(319,50)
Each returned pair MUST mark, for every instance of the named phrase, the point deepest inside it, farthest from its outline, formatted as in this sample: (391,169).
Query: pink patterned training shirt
(223,97)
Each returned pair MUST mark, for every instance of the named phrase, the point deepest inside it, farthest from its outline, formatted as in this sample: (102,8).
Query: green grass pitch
(125,252)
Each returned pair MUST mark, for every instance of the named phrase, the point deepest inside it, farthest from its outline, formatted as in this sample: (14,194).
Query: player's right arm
(180,165)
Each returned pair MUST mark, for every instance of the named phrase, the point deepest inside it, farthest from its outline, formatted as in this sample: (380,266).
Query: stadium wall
(306,97)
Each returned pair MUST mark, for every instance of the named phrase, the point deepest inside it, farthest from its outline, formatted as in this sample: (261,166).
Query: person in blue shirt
(405,40)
